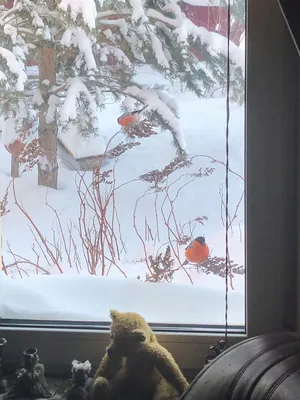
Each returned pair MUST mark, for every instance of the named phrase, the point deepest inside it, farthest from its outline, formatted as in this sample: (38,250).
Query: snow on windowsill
(89,298)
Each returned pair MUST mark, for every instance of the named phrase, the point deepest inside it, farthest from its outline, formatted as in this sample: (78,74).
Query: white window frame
(272,67)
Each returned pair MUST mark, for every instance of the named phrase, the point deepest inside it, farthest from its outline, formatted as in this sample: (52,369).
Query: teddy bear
(135,366)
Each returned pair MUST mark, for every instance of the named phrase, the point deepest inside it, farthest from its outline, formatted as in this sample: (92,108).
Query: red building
(9,3)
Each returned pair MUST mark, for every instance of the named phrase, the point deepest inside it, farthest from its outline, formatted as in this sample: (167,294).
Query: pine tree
(82,35)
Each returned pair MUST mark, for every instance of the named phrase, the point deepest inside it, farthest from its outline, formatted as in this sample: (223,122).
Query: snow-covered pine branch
(160,105)
(99,45)
(12,68)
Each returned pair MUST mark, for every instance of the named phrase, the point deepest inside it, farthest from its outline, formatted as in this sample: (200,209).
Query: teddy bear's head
(129,331)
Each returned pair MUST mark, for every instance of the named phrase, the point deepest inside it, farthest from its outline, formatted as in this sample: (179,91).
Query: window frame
(271,131)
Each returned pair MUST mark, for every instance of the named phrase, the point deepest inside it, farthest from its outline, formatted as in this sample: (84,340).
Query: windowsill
(55,384)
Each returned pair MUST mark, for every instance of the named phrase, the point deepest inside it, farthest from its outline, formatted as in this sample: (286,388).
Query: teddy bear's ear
(139,335)
(114,314)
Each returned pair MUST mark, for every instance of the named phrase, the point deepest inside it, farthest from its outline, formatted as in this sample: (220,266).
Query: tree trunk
(14,166)
(48,169)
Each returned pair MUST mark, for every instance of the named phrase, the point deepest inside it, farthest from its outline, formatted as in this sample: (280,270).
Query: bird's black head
(201,240)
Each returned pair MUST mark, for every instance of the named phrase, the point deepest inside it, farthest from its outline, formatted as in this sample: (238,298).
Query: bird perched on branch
(129,118)
(197,251)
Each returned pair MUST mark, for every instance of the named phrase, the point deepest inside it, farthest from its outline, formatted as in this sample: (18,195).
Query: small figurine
(30,382)
(216,350)
(3,382)
(81,381)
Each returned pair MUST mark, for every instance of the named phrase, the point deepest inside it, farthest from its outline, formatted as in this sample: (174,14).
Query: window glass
(112,161)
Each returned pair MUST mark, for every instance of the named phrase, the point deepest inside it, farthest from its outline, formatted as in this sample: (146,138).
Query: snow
(138,12)
(23,111)
(150,98)
(77,37)
(85,8)
(217,44)
(89,298)
(182,26)
(204,3)
(9,134)
(71,118)
(11,31)
(121,23)
(168,100)
(243,43)
(45,164)
(15,68)
(18,52)
(135,45)
(36,20)
(53,102)
(128,103)
(117,53)
(98,241)
(81,147)
(159,52)
(76,88)
(77,295)
(3,77)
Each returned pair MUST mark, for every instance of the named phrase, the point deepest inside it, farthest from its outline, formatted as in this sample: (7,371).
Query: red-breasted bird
(130,118)
(197,251)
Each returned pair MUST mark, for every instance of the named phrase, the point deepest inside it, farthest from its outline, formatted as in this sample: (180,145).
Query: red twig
(4,267)
(23,260)
(137,232)
(36,229)
(99,233)
(156,219)
(61,232)
(214,160)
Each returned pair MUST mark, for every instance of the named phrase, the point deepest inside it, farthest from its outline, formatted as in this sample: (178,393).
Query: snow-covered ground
(193,297)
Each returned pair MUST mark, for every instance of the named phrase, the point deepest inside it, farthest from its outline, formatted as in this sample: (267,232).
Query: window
(198,319)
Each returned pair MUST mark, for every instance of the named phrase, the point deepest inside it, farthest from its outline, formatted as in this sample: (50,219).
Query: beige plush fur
(135,366)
